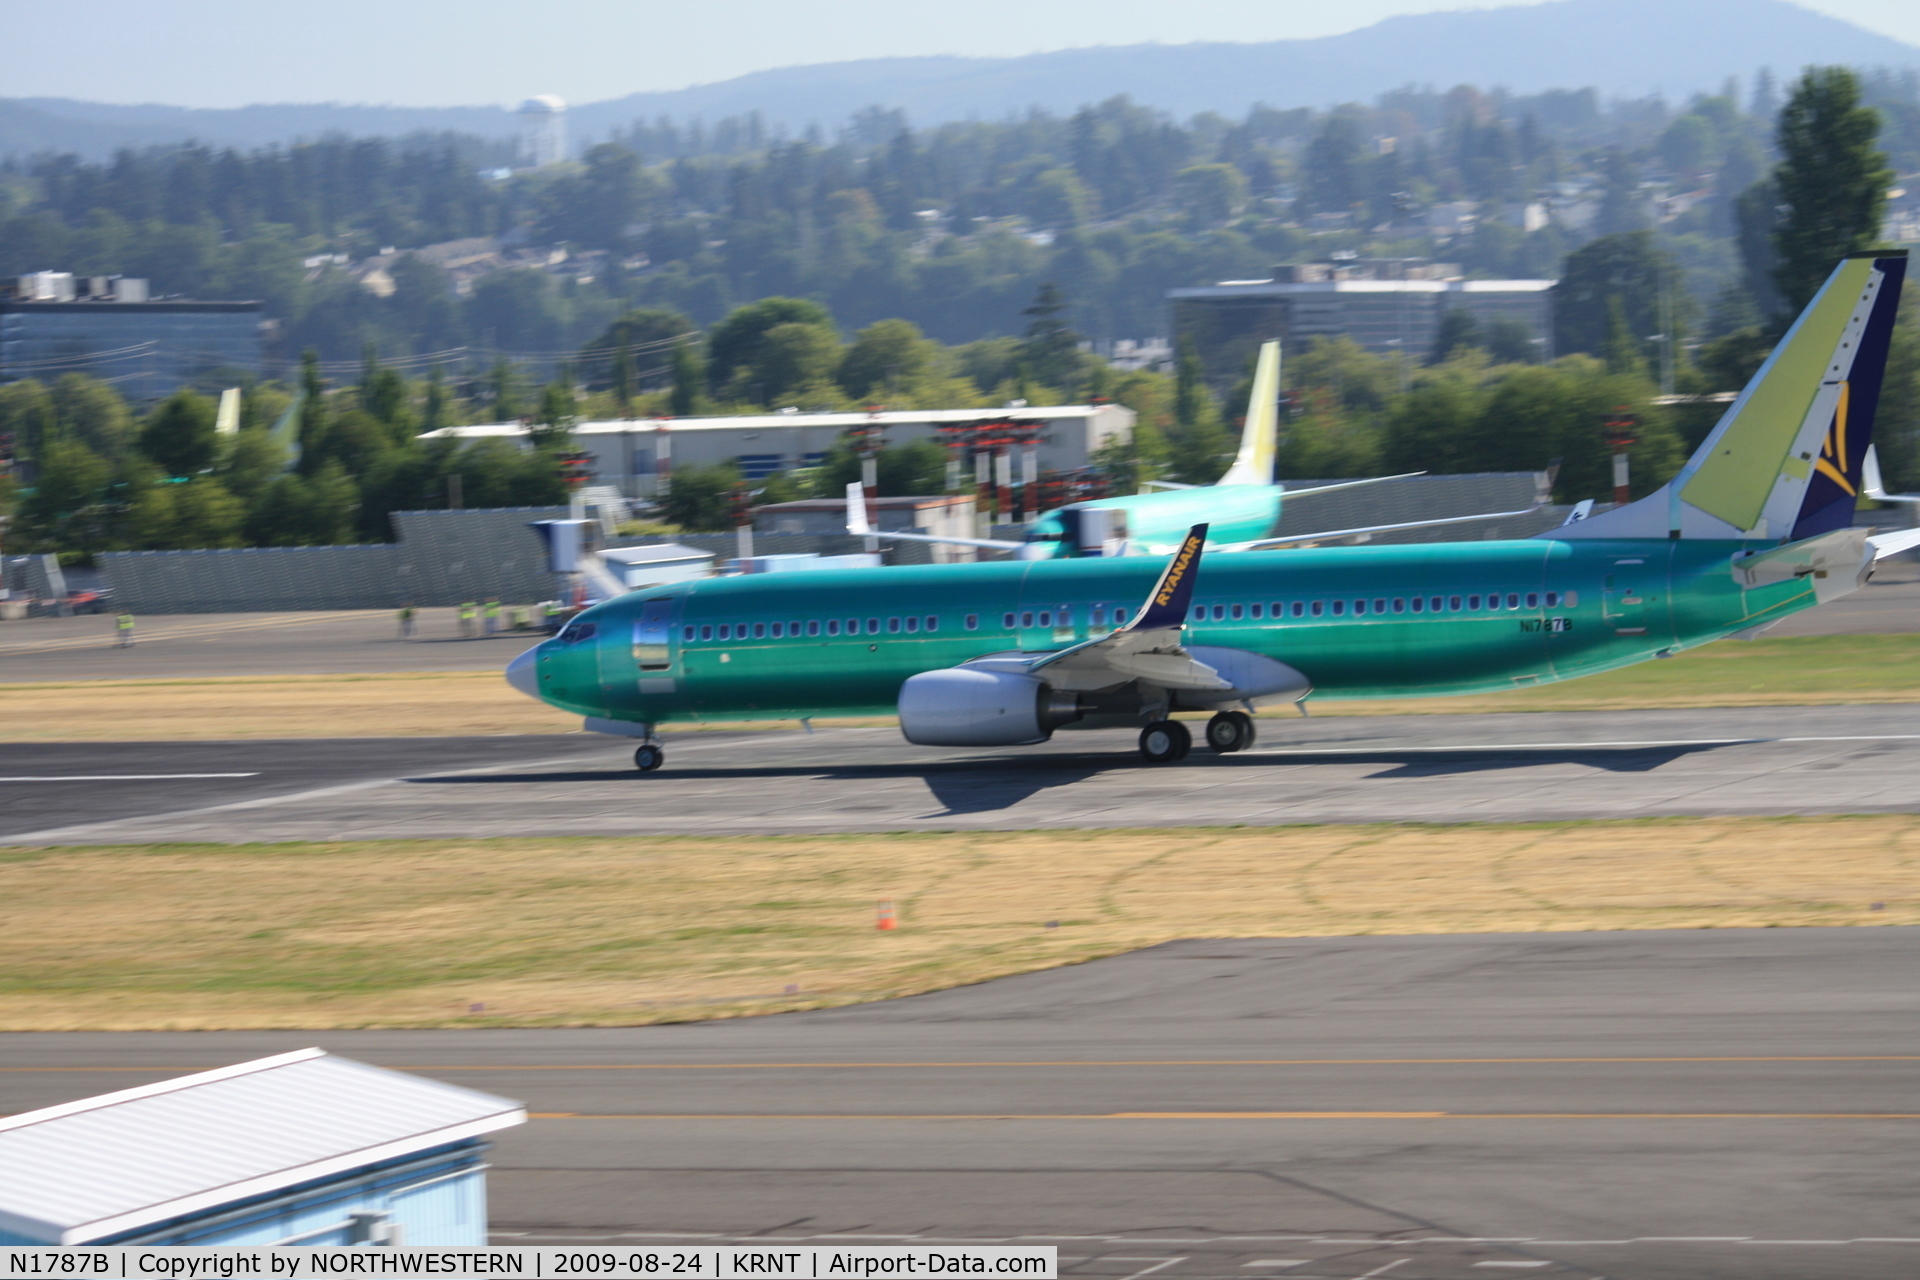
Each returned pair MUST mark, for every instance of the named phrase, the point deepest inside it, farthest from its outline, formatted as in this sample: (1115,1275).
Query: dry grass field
(603,932)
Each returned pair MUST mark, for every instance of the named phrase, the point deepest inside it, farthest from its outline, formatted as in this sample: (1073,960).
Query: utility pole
(1620,426)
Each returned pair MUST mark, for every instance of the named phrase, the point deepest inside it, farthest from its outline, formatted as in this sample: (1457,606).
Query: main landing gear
(1230,731)
(1165,741)
(648,756)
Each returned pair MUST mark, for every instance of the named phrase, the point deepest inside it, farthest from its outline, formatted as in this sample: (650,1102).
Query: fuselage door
(1623,604)
(653,648)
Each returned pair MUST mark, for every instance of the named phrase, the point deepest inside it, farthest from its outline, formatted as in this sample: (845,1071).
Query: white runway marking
(1389,749)
(124,777)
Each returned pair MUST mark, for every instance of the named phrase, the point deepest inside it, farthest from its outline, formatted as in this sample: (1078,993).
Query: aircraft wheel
(648,757)
(1230,731)
(1165,741)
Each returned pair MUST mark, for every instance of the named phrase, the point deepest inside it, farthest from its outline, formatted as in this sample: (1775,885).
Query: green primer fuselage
(1235,513)
(1565,609)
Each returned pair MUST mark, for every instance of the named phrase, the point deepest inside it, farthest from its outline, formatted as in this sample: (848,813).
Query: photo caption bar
(698,1262)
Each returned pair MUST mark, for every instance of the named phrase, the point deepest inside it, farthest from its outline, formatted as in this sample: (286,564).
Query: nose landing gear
(648,756)
(1230,731)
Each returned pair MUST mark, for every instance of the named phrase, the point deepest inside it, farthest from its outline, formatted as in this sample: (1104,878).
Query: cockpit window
(576,631)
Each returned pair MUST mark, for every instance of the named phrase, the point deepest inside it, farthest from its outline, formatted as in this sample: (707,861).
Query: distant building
(637,455)
(543,130)
(949,515)
(1389,306)
(54,323)
(301,1148)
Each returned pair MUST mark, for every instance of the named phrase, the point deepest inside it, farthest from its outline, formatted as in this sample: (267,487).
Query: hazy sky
(219,53)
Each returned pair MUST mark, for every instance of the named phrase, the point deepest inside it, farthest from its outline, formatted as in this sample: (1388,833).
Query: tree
(559,410)
(700,498)
(1831,178)
(385,396)
(1050,350)
(177,517)
(1457,331)
(26,414)
(1623,210)
(305,511)
(313,405)
(1756,213)
(736,343)
(438,410)
(1200,447)
(1325,442)
(251,463)
(641,336)
(1055,199)
(71,478)
(793,359)
(504,384)
(883,357)
(684,401)
(1335,163)
(1130,460)
(1631,268)
(180,435)
(1209,194)
(93,413)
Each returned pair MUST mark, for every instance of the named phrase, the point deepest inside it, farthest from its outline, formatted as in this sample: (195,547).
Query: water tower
(543,130)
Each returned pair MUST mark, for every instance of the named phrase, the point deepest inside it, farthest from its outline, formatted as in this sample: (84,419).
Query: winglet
(1167,604)
(857,510)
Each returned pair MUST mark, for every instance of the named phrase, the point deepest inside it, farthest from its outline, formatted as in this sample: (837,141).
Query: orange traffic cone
(886,920)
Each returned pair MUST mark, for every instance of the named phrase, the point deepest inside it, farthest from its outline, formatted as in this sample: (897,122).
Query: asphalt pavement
(1509,767)
(1696,1105)
(200,645)
(56,784)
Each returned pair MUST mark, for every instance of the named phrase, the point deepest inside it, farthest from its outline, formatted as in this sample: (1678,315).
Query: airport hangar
(636,455)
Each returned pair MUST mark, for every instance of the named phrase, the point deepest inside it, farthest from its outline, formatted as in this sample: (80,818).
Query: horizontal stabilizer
(1834,564)
(1892,544)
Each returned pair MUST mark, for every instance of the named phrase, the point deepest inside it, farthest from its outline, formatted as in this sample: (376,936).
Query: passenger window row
(910,625)
(1098,617)
(1362,606)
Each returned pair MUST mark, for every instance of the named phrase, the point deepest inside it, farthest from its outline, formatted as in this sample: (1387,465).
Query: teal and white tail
(1785,462)
(1254,463)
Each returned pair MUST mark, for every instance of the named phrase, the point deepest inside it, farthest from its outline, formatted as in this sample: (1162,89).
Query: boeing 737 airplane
(1756,526)
(1241,508)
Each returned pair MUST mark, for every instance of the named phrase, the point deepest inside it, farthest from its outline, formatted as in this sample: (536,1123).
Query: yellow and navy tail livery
(1785,461)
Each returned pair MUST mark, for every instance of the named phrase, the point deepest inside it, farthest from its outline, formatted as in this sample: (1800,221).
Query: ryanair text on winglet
(1171,583)
(706,1262)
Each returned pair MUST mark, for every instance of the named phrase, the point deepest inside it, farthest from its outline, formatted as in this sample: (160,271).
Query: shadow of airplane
(989,785)
(1433,764)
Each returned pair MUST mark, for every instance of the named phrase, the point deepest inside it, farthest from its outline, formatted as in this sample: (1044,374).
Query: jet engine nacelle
(971,707)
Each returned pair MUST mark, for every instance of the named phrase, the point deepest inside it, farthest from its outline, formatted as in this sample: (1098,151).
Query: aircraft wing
(1328,534)
(1148,648)
(1348,484)
(859,525)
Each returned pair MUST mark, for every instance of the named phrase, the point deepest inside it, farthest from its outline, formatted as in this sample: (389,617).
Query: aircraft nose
(523,673)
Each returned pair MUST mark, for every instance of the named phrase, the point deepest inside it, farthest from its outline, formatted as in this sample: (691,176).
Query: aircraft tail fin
(1254,463)
(1785,461)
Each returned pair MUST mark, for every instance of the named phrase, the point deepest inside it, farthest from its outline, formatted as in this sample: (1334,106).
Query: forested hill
(1625,48)
(1620,48)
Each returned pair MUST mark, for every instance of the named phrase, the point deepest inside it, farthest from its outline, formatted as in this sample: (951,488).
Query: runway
(1513,767)
(1712,1105)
